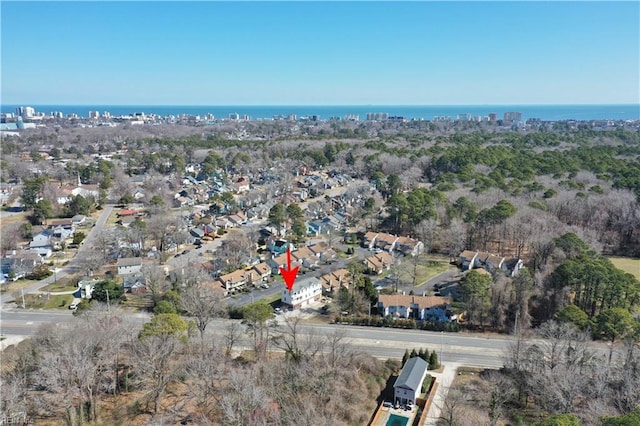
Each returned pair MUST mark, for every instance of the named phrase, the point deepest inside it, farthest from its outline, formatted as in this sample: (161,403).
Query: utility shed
(409,383)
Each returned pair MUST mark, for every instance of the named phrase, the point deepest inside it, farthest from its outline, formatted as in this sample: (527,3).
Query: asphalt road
(378,342)
(73,265)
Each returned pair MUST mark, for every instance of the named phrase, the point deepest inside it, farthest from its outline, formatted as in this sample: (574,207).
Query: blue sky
(320,53)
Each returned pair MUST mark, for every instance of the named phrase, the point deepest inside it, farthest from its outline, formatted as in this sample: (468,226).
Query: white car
(278,310)
(73,306)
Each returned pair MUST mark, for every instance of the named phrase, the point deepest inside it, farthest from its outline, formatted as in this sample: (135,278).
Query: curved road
(73,264)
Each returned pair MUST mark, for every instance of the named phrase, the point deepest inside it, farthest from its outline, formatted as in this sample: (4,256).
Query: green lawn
(41,301)
(627,264)
(62,285)
(426,270)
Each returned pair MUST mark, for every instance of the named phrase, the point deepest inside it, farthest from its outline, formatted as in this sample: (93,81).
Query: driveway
(444,380)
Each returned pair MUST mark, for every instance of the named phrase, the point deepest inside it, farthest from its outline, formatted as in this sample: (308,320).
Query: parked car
(265,285)
(278,310)
(73,306)
(387,404)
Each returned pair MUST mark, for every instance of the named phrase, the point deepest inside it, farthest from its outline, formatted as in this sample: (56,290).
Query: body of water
(324,112)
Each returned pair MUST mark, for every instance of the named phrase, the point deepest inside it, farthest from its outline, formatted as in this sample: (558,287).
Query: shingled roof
(411,375)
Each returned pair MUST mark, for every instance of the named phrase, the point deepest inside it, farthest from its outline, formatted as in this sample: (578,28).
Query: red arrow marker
(289,274)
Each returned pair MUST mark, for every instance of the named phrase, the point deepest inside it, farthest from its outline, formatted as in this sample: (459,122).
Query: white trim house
(303,293)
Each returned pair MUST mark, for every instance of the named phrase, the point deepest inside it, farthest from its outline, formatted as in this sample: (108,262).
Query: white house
(408,385)
(431,308)
(129,265)
(303,293)
(41,243)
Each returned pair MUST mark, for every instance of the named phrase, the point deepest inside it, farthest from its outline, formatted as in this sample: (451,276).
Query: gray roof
(129,261)
(301,284)
(411,375)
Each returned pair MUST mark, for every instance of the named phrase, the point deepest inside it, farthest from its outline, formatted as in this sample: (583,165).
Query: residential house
(59,234)
(224,223)
(304,292)
(467,259)
(332,281)
(19,265)
(276,262)
(62,223)
(241,184)
(318,227)
(409,246)
(370,240)
(429,308)
(235,279)
(305,257)
(408,385)
(491,262)
(181,201)
(64,193)
(237,219)
(78,219)
(323,251)
(86,286)
(262,270)
(129,265)
(279,246)
(197,233)
(41,243)
(512,266)
(135,284)
(386,242)
(378,263)
(127,221)
(126,212)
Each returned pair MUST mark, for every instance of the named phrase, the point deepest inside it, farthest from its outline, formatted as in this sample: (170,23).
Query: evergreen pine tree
(424,354)
(433,361)
(413,353)
(405,358)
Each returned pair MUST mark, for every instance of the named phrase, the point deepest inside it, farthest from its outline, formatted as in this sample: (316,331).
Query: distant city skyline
(320,53)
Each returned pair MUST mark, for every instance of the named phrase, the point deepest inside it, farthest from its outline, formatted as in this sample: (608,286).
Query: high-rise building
(512,116)
(493,116)
(377,116)
(94,114)
(25,112)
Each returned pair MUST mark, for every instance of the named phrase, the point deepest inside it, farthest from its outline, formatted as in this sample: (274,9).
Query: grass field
(627,264)
(61,285)
(426,270)
(41,301)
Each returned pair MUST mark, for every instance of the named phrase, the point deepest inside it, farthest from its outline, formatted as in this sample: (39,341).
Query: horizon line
(320,105)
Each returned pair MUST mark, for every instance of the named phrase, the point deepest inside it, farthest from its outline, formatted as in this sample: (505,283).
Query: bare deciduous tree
(203,304)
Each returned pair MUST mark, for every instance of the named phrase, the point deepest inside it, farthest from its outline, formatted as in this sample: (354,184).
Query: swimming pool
(395,420)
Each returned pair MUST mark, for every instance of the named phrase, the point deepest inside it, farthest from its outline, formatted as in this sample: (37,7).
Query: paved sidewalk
(445,379)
